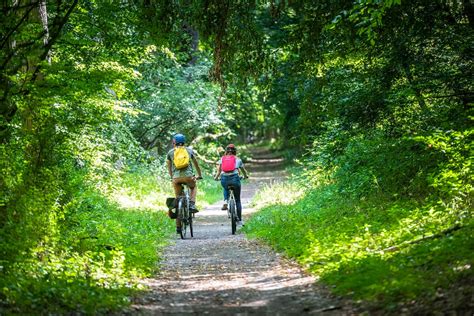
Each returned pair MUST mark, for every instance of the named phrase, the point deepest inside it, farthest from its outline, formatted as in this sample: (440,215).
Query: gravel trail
(217,273)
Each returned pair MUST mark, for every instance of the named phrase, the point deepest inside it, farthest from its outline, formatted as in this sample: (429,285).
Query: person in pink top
(229,169)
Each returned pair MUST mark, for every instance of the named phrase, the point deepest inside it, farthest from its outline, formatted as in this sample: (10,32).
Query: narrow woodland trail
(217,273)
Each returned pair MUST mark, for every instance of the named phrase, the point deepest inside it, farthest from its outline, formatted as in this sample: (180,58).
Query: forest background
(371,98)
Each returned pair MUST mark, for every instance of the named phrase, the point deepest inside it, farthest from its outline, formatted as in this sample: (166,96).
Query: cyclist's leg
(224,183)
(237,190)
(178,189)
(191,182)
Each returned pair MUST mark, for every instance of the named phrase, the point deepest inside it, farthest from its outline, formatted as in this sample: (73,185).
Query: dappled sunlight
(150,201)
(263,280)
(279,193)
(257,288)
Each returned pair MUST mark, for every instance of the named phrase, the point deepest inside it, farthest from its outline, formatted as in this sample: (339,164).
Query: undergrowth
(381,250)
(106,240)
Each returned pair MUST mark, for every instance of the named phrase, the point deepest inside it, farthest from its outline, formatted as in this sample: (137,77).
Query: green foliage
(408,275)
(209,191)
(454,177)
(375,165)
(174,97)
(381,103)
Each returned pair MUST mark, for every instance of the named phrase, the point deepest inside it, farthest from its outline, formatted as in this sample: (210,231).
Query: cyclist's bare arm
(218,172)
(198,169)
(168,164)
(244,171)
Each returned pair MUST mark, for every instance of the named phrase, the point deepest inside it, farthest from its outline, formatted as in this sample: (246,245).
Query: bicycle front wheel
(233,215)
(183,218)
(180,211)
(183,226)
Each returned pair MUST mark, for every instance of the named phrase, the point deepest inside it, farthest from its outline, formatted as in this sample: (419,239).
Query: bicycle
(232,208)
(185,216)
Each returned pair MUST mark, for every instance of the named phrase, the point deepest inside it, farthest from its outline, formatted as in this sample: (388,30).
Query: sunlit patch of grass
(147,191)
(209,192)
(142,190)
(282,194)
(416,271)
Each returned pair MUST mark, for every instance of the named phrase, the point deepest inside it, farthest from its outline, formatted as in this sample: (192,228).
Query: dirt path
(225,274)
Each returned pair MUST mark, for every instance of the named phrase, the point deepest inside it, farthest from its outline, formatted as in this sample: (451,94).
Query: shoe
(192,207)
(240,223)
(224,207)
(178,230)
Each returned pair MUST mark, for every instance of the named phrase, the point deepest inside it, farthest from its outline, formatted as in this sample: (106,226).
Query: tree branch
(15,28)
(467,94)
(416,241)
(153,127)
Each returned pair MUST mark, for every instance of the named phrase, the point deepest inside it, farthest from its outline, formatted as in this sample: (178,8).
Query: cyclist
(181,171)
(229,169)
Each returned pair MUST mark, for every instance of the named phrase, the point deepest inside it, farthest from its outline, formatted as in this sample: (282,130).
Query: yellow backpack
(181,157)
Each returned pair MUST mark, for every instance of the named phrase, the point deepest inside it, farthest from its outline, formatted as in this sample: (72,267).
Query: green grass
(106,242)
(347,242)
(209,192)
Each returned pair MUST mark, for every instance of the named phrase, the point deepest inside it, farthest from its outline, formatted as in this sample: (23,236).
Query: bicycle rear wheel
(182,215)
(233,215)
(184,228)
(182,233)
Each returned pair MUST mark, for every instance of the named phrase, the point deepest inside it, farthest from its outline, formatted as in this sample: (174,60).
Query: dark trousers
(233,180)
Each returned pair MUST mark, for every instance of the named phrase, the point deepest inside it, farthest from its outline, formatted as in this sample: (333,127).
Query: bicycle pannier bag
(171,203)
(228,163)
(181,157)
(173,213)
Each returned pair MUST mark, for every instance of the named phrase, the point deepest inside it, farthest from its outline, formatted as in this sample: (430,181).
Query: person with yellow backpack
(181,171)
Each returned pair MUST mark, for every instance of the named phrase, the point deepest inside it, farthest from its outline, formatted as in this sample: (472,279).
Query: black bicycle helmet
(231,149)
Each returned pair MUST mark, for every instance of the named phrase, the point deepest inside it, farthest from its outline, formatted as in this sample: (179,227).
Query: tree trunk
(194,43)
(44,21)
